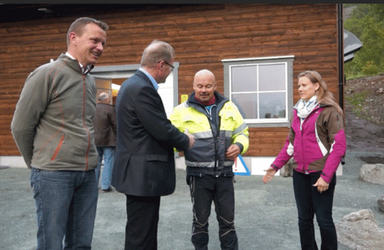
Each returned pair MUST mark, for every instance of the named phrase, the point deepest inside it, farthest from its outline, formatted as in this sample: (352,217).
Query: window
(107,76)
(261,88)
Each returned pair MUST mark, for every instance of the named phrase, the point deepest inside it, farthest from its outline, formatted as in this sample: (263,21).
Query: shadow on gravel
(372,159)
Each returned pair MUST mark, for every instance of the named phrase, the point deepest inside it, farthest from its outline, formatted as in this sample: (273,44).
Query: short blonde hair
(78,25)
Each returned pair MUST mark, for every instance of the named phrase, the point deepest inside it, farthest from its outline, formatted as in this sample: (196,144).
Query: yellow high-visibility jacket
(207,156)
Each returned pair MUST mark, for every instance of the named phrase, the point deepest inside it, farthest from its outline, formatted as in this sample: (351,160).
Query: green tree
(367,23)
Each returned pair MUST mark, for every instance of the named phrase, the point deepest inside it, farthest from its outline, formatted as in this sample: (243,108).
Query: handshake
(191,138)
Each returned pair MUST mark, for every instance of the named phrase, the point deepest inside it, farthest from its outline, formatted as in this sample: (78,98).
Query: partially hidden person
(105,139)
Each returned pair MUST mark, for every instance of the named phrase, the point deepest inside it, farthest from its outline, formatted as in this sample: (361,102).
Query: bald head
(204,85)
(205,74)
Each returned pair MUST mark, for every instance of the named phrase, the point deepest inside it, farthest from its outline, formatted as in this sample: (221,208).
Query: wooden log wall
(202,36)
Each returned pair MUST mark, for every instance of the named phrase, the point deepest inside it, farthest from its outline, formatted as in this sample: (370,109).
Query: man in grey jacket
(53,129)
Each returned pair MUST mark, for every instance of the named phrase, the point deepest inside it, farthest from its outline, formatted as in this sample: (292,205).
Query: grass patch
(360,75)
(357,100)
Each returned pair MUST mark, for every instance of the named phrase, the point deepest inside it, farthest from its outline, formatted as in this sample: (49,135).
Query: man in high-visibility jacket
(220,136)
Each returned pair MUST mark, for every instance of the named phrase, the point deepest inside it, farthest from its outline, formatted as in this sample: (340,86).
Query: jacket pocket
(120,171)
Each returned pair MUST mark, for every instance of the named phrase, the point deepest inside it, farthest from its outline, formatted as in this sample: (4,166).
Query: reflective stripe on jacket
(207,156)
(318,146)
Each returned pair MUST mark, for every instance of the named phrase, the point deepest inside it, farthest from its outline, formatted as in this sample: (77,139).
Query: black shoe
(107,190)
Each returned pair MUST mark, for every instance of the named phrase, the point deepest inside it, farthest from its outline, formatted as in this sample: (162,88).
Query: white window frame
(127,70)
(287,61)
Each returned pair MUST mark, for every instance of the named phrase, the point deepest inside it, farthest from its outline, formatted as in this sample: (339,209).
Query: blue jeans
(310,201)
(109,157)
(66,208)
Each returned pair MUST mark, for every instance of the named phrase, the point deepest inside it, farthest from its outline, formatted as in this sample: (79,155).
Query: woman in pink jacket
(316,141)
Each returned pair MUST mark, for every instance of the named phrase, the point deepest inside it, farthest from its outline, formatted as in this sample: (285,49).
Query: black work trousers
(309,202)
(220,190)
(142,221)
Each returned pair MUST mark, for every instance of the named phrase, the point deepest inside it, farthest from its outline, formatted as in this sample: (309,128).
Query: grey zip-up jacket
(53,120)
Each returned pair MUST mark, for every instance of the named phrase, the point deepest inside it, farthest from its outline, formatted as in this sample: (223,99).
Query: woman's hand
(270,172)
(321,185)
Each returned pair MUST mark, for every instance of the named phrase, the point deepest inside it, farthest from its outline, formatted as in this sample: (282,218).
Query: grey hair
(156,51)
(103,96)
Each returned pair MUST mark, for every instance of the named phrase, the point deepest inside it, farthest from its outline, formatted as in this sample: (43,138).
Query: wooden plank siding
(202,36)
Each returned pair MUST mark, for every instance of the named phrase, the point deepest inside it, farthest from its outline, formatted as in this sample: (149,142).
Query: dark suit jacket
(105,125)
(144,161)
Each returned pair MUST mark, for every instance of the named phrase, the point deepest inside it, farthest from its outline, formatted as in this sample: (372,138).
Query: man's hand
(232,152)
(191,138)
(269,173)
(321,185)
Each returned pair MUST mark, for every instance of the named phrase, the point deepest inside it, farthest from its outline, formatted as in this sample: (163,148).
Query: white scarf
(304,108)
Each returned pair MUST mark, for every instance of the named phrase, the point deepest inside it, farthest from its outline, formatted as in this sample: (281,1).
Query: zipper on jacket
(302,147)
(84,123)
(214,133)
(305,167)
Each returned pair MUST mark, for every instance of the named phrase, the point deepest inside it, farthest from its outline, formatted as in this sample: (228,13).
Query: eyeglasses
(170,65)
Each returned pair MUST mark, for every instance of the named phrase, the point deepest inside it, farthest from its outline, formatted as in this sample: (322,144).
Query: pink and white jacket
(318,144)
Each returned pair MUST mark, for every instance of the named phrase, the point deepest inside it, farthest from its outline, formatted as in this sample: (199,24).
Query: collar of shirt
(83,69)
(153,81)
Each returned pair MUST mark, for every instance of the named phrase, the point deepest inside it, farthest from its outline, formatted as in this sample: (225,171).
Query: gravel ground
(265,214)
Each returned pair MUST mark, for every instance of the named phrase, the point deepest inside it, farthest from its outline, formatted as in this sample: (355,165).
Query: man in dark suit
(144,166)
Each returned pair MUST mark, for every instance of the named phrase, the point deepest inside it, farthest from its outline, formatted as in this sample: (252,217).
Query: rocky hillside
(364,109)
